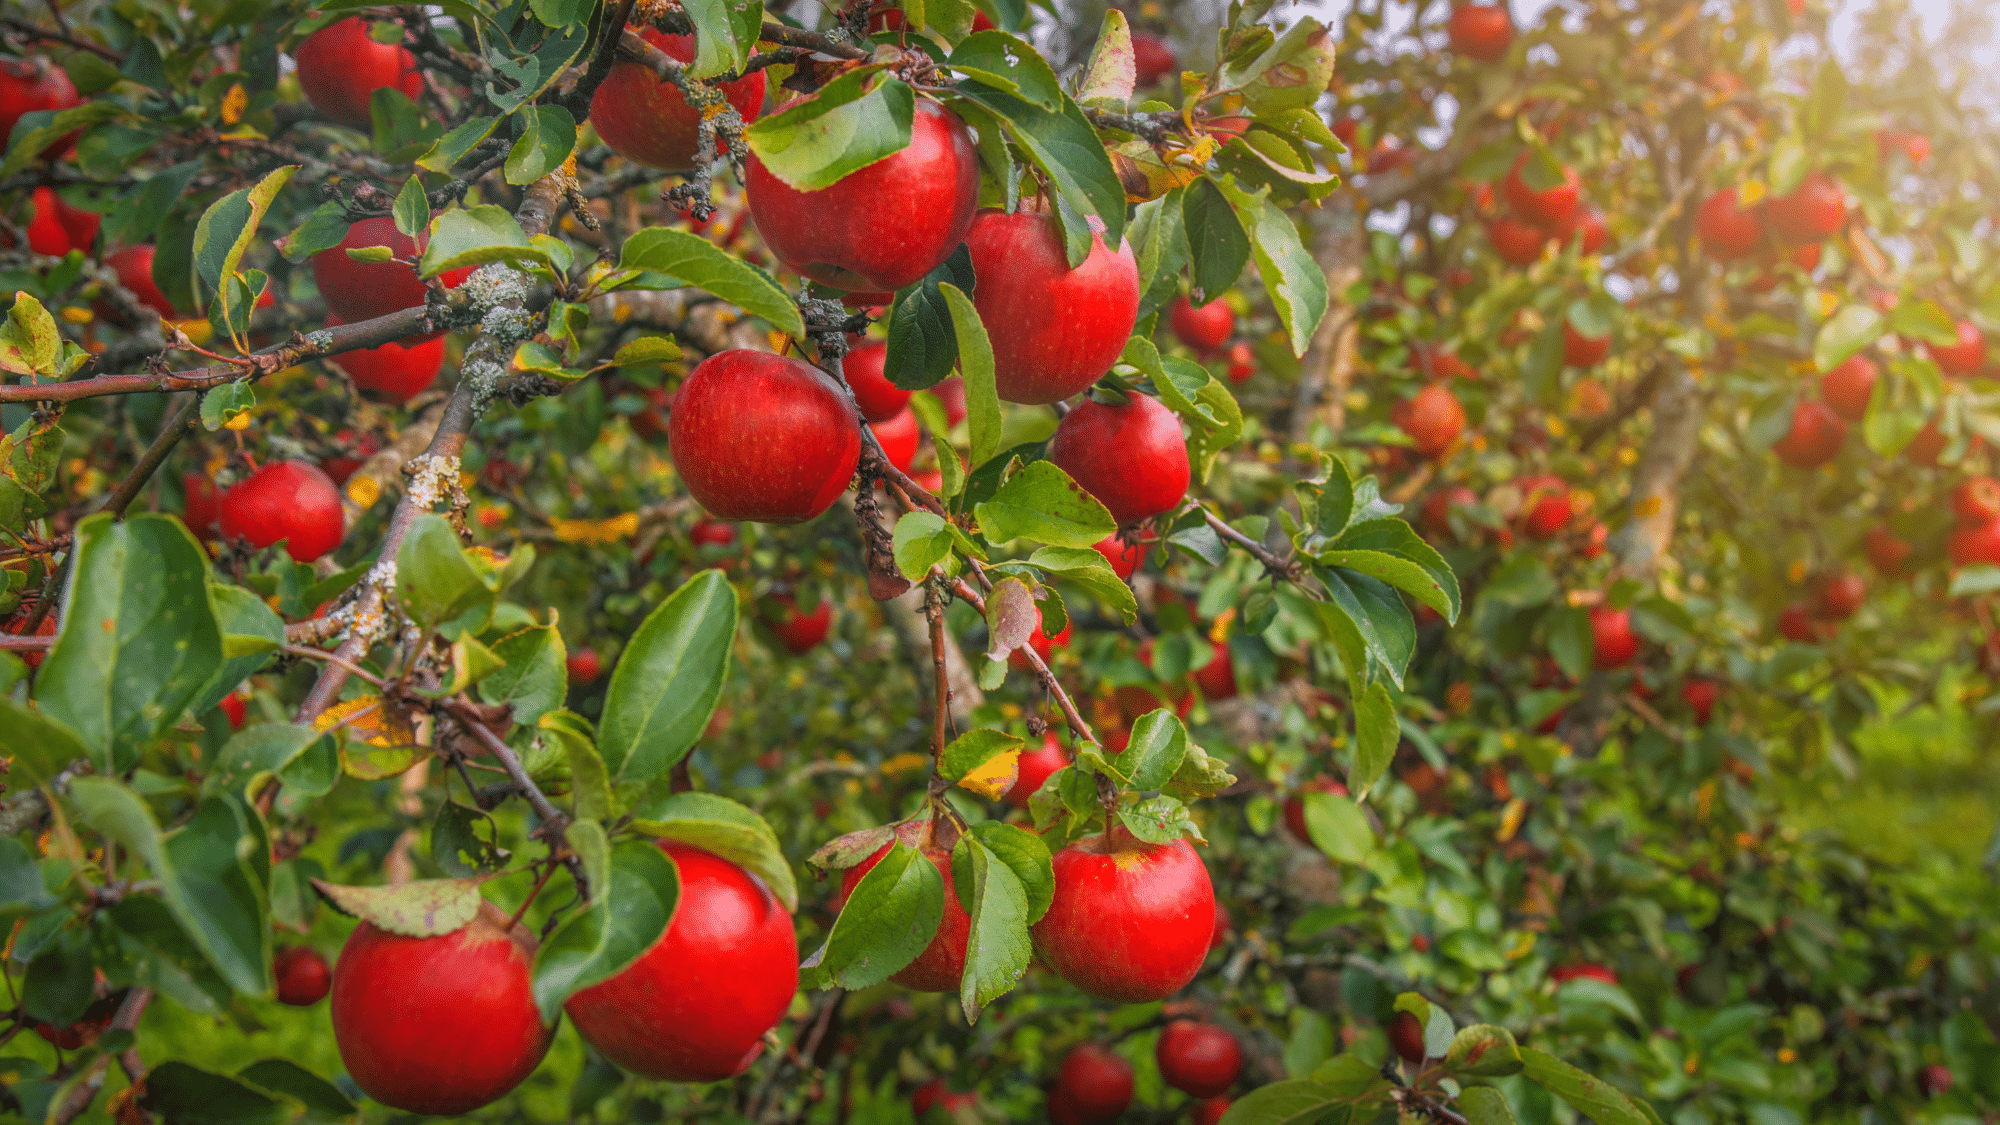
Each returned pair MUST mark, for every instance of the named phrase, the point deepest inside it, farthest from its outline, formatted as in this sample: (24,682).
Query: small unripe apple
(697,1005)
(397,371)
(1551,209)
(1482,32)
(1035,767)
(1616,643)
(1518,243)
(1200,1060)
(397,999)
(1725,229)
(646,119)
(878,398)
(1848,387)
(1098,1079)
(1054,330)
(1203,329)
(899,438)
(32,84)
(1129,455)
(291,500)
(884,226)
(357,291)
(1433,418)
(941,964)
(1815,437)
(302,974)
(1152,58)
(800,633)
(1810,212)
(341,67)
(763,437)
(1964,357)
(1130,921)
(1406,1035)
(1124,558)
(584,666)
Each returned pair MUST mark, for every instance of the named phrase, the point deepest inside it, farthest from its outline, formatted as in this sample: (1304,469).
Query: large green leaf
(668,680)
(476,236)
(1041,502)
(840,130)
(1282,1103)
(975,361)
(38,745)
(720,825)
(725,34)
(627,915)
(1293,279)
(1387,549)
(548,136)
(1376,733)
(1217,245)
(228,228)
(998,948)
(1092,572)
(886,923)
(1599,1100)
(535,677)
(1064,146)
(700,263)
(181,1092)
(1005,62)
(437,585)
(138,639)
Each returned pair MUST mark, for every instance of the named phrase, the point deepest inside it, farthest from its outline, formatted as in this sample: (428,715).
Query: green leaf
(921,541)
(589,780)
(887,923)
(997,949)
(224,403)
(475,236)
(22,889)
(165,958)
(725,34)
(1844,334)
(1064,146)
(1370,615)
(1589,990)
(448,150)
(1924,320)
(548,136)
(30,343)
(180,1092)
(646,351)
(1153,756)
(1339,828)
(1085,568)
(700,263)
(719,825)
(983,761)
(323,229)
(1376,733)
(282,1076)
(59,984)
(629,912)
(1217,245)
(1971,581)
(228,228)
(39,746)
(840,130)
(1415,578)
(1602,1102)
(1159,238)
(923,342)
(1282,1103)
(1293,279)
(457,845)
(138,639)
(668,679)
(1160,820)
(1006,62)
(1040,502)
(535,677)
(1484,1051)
(261,749)
(412,210)
(214,873)
(1789,164)
(975,360)
(1571,640)
(1484,1105)
(436,584)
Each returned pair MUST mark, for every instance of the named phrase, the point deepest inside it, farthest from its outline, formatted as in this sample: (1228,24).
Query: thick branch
(1677,416)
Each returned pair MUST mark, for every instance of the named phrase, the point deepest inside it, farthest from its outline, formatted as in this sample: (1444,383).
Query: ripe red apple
(1433,418)
(951,395)
(357,291)
(1617,644)
(1130,921)
(1591,224)
(398,371)
(584,666)
(763,437)
(1042,644)
(1701,696)
(340,68)
(1552,209)
(1591,970)
(648,120)
(1933,1080)
(1436,512)
(1200,1060)
(1097,1079)
(1212,1111)
(1810,212)
(302,974)
(1976,501)
(1518,243)
(695,1007)
(879,399)
(1204,329)
(204,504)
(941,964)
(899,438)
(1889,554)
(1546,502)
(1969,545)
(1152,58)
(800,633)
(56,228)
(1929,443)
(935,1092)
(1796,623)
(1726,230)
(1130,455)
(1964,357)
(1217,678)
(1815,437)
(1034,768)
(134,267)
(1848,387)
(397,998)
(708,532)
(1482,32)
(1406,1035)
(31,84)
(1584,351)
(1054,330)
(1124,559)
(1242,363)
(291,500)
(884,226)
(1836,596)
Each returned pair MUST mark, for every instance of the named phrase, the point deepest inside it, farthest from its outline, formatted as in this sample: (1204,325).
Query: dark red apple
(1725,229)
(1701,696)
(56,228)
(941,964)
(1204,329)
(1482,32)
(1130,455)
(134,267)
(1217,678)
(340,68)
(398,371)
(648,120)
(1585,970)
(1808,213)
(357,291)
(879,399)
(1152,58)
(1198,1059)
(302,974)
(1130,921)
(1848,387)
(1838,595)
(291,500)
(1406,1035)
(1815,437)
(1796,623)
(1054,330)
(1927,446)
(1616,643)
(1097,1079)
(763,437)
(1212,1111)
(935,1092)
(1035,767)
(1124,558)
(1546,502)
(708,532)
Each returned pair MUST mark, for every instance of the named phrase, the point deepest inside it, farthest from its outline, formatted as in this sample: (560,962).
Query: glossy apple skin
(1584,351)
(1814,439)
(648,120)
(57,228)
(800,633)
(879,399)
(1616,644)
(1552,209)
(695,1007)
(1098,1081)
(1812,211)
(941,964)
(884,226)
(1035,767)
(1433,418)
(398,371)
(1482,33)
(1152,58)
(1964,357)
(1131,456)
(134,266)
(1725,229)
(899,438)
(28,85)
(397,998)
(1124,560)
(1054,330)
(291,500)
(763,437)
(204,504)
(1848,387)
(1200,1060)
(340,68)
(303,976)
(1205,328)
(1518,243)
(1130,921)
(357,291)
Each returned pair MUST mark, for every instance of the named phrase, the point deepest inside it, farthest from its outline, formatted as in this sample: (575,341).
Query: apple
(1212,1111)
(1200,1060)
(134,267)
(893,19)
(1591,224)
(1242,363)
(1518,243)
(396,371)
(1964,357)
(708,532)
(95,1020)
(1152,57)
(647,120)
(1406,1035)
(1838,595)
(1815,437)
(1035,767)
(1129,455)
(1550,210)
(203,507)
(1976,501)
(354,452)
(1482,32)
(1054,330)
(1725,229)
(1701,696)
(1934,1080)
(1433,418)
(882,227)
(1097,1079)
(935,1092)
(879,399)
(1616,644)
(1203,329)
(1890,555)
(763,437)
(1434,362)
(56,228)
(1130,921)
(1591,970)
(1809,212)
(396,998)
(291,500)
(899,438)
(1970,545)
(357,291)
(1435,514)
(1848,387)
(236,710)
(1796,623)
(1217,678)
(1123,557)
(800,633)
(950,394)
(1929,443)
(697,1005)
(584,666)
(941,964)
(302,974)
(1546,502)
(340,68)
(32,84)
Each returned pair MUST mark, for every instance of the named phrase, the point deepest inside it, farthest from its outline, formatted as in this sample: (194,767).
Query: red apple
(1035,767)
(647,120)
(1929,443)
(1204,329)
(1097,1079)
(1212,1111)
(1616,643)
(1591,970)
(1812,211)
(1217,678)
(763,437)
(1436,512)
(1130,455)
(1815,437)
(1055,330)
(935,1092)
(1726,230)
(1242,363)
(1933,1080)
(1406,1036)
(134,267)
(291,500)
(800,633)
(1518,243)
(941,964)
(1848,387)
(1838,595)
(31,84)
(204,504)
(1584,351)
(708,532)
(236,710)
(57,228)
(1124,558)
(1200,1060)
(397,998)
(340,68)
(697,1005)
(884,226)
(879,399)
(1796,623)
(1433,418)
(398,371)
(1701,696)
(1480,32)
(584,666)
(1976,501)
(1152,58)
(1130,921)
(1550,210)
(1964,357)
(899,438)
(1546,502)
(302,974)
(1591,224)
(950,394)
(1889,554)
(1969,545)
(357,291)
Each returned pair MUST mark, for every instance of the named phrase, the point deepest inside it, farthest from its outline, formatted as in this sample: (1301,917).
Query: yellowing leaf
(233,104)
(363,491)
(377,727)
(596,531)
(992,779)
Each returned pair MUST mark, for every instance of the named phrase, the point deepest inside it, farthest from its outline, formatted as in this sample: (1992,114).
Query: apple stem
(541,880)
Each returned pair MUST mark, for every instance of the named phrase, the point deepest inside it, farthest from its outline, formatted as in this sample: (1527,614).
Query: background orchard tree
(970,562)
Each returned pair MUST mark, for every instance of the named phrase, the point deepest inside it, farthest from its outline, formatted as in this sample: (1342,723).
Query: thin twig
(156,454)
